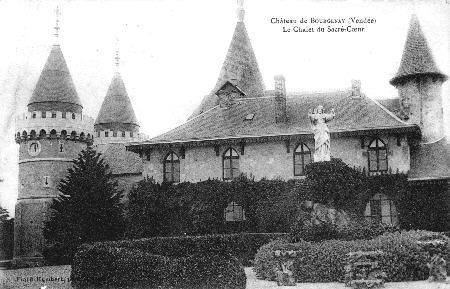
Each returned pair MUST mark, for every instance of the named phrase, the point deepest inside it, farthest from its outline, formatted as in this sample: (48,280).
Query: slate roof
(417,57)
(119,160)
(240,64)
(116,107)
(430,161)
(392,104)
(352,114)
(55,83)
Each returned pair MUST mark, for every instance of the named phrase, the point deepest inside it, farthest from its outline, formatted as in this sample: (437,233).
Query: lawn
(59,277)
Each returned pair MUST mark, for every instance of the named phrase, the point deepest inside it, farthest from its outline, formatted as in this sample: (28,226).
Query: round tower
(419,82)
(50,135)
(116,121)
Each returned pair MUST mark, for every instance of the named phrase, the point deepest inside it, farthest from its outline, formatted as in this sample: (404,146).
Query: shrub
(107,266)
(100,265)
(355,229)
(207,271)
(324,262)
(244,245)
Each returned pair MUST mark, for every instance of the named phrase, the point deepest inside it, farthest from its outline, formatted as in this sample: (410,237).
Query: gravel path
(58,277)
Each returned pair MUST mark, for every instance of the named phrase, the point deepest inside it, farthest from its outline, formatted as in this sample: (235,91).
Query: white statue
(319,126)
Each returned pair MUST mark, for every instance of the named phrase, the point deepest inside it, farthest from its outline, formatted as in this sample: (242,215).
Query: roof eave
(138,146)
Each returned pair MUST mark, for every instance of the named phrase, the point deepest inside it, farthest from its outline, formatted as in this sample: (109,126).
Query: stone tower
(419,83)
(116,121)
(50,135)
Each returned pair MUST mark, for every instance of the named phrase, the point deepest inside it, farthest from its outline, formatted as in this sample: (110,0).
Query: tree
(6,235)
(88,208)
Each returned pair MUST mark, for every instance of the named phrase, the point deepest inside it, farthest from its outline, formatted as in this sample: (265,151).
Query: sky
(172,51)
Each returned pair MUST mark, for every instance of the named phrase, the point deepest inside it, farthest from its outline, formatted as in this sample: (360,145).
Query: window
(106,134)
(53,114)
(123,134)
(302,157)
(234,213)
(230,164)
(377,157)
(73,116)
(63,114)
(44,114)
(131,134)
(114,133)
(381,209)
(172,168)
(249,116)
(34,115)
(46,182)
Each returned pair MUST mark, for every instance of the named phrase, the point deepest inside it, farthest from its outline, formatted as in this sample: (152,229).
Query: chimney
(280,99)
(356,88)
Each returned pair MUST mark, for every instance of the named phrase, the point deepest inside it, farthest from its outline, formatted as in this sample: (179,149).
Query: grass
(59,277)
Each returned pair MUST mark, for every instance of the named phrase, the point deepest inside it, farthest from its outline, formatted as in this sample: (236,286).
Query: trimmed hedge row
(212,261)
(110,267)
(244,245)
(324,261)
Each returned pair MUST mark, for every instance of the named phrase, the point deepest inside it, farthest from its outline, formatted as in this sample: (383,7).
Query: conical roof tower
(240,65)
(417,58)
(116,113)
(55,89)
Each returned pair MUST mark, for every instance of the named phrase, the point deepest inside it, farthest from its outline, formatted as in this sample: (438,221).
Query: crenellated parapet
(54,124)
(110,136)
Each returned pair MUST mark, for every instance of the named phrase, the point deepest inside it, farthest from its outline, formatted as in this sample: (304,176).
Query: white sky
(172,51)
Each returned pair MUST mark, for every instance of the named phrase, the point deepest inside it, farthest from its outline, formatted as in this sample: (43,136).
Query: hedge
(243,245)
(324,261)
(104,266)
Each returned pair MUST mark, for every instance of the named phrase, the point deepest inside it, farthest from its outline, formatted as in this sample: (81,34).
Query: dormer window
(249,117)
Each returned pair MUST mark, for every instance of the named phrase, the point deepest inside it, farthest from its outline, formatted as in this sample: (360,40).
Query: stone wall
(421,101)
(39,176)
(271,159)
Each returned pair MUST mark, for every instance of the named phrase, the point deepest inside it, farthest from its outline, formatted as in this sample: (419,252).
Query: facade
(241,127)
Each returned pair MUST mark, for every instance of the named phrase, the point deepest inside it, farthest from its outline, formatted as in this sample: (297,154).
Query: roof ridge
(386,110)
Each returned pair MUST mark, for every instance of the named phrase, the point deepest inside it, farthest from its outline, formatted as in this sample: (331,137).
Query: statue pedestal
(362,270)
(284,267)
(435,245)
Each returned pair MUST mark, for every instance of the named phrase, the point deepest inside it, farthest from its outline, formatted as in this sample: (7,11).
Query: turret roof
(116,107)
(240,64)
(55,82)
(417,57)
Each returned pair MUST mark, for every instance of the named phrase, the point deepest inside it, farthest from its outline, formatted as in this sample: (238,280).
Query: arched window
(302,157)
(377,157)
(381,209)
(234,213)
(230,164)
(53,133)
(172,168)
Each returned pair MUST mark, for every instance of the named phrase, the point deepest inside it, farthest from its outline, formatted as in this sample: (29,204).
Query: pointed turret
(55,89)
(240,65)
(417,58)
(419,83)
(116,117)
